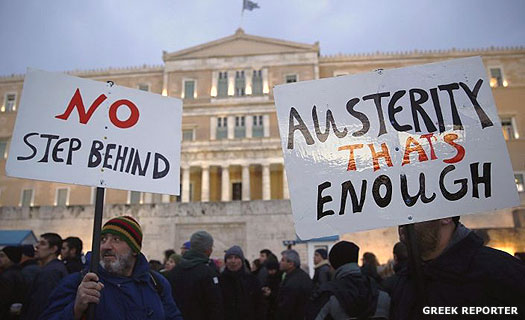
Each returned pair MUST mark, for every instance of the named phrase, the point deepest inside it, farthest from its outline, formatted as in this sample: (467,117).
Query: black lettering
(32,147)
(452,196)
(411,200)
(473,96)
(49,138)
(476,179)
(57,149)
(377,101)
(379,181)
(160,174)
(437,107)
(392,110)
(455,116)
(329,120)
(130,159)
(108,156)
(94,155)
(301,127)
(121,156)
(359,116)
(138,166)
(415,105)
(322,200)
(72,148)
(357,205)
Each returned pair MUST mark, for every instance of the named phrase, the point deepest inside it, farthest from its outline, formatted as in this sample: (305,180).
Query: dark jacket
(30,269)
(73,265)
(195,288)
(466,274)
(293,295)
(143,295)
(273,282)
(391,282)
(350,294)
(322,274)
(44,283)
(12,289)
(242,295)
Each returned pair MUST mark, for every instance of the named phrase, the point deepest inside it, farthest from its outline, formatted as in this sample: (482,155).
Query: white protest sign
(85,132)
(393,147)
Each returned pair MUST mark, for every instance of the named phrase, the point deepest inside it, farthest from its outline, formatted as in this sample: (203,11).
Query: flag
(249,5)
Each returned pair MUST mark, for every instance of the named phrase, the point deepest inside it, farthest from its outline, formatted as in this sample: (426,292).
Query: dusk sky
(63,35)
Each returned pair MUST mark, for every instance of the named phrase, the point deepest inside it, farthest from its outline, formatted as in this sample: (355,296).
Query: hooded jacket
(466,274)
(195,288)
(134,297)
(322,273)
(350,294)
(293,295)
(242,295)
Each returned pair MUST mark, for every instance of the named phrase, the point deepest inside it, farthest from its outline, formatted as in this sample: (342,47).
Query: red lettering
(428,136)
(351,161)
(383,154)
(409,149)
(449,138)
(76,102)
(133,117)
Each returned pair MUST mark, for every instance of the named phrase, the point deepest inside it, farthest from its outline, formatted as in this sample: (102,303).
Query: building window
(496,77)
(26,200)
(520,184)
(257,127)
(187,135)
(222,85)
(291,78)
(189,89)
(240,128)
(236,191)
(62,197)
(135,197)
(222,128)
(144,86)
(240,83)
(257,83)
(3,148)
(507,125)
(9,103)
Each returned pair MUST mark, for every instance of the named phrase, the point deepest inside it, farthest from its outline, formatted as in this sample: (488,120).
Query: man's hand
(266,291)
(88,292)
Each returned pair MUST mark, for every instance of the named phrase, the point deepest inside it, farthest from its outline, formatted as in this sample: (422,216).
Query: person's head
(400,252)
(202,242)
(155,265)
(289,261)
(342,253)
(234,258)
(370,259)
(432,237)
(28,252)
(185,247)
(9,256)
(71,248)
(172,261)
(272,267)
(167,254)
(264,255)
(320,255)
(120,245)
(48,247)
(256,264)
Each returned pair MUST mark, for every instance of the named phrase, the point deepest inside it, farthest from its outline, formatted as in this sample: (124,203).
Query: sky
(66,35)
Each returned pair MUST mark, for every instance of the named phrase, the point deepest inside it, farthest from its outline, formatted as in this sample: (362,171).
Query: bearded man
(460,274)
(125,287)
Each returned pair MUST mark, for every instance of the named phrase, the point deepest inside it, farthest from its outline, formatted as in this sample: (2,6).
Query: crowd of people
(456,270)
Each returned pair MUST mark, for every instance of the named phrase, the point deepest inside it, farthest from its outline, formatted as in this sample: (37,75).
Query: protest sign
(393,147)
(79,131)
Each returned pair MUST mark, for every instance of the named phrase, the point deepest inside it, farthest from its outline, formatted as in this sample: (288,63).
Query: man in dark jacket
(195,285)
(461,273)
(322,268)
(29,264)
(350,294)
(400,263)
(241,290)
(51,272)
(12,283)
(71,254)
(295,289)
(125,287)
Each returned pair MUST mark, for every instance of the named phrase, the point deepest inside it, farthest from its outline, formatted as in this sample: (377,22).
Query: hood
(193,258)
(322,263)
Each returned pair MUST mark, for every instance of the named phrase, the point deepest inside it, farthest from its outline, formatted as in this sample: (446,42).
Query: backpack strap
(157,284)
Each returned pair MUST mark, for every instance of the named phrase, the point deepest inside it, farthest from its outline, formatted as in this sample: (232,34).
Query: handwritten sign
(393,147)
(80,131)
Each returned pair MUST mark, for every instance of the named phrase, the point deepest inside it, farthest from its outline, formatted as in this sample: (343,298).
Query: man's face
(66,252)
(233,263)
(262,257)
(317,258)
(43,251)
(427,236)
(4,261)
(116,257)
(285,264)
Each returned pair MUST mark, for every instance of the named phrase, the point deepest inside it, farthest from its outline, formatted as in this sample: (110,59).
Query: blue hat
(186,245)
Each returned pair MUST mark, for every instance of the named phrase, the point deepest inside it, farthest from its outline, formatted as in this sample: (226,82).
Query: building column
(185,184)
(248,82)
(246,182)
(266,181)
(286,191)
(231,83)
(231,127)
(225,185)
(266,125)
(214,83)
(205,184)
(249,123)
